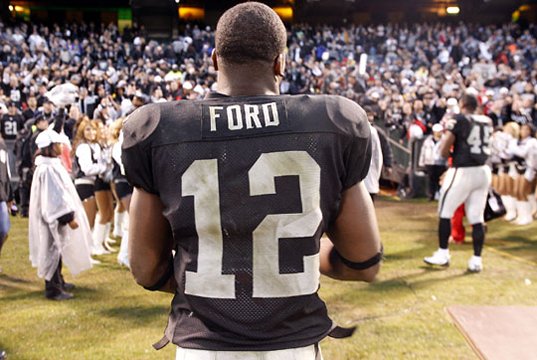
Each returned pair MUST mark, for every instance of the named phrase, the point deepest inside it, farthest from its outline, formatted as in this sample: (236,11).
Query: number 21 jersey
(249,185)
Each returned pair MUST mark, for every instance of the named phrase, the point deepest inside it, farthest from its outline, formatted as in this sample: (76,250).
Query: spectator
(432,160)
(6,195)
(12,122)
(58,229)
(31,110)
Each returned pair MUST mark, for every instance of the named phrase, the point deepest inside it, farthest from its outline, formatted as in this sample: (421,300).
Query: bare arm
(355,235)
(447,142)
(150,241)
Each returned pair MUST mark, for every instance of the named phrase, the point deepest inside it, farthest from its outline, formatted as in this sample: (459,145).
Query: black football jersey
(10,126)
(472,139)
(249,185)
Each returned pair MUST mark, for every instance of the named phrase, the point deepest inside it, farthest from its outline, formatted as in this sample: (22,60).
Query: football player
(467,181)
(240,187)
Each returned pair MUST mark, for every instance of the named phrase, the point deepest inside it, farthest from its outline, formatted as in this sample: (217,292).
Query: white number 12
(201,181)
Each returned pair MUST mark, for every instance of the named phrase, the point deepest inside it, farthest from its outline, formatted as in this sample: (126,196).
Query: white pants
(303,353)
(468,185)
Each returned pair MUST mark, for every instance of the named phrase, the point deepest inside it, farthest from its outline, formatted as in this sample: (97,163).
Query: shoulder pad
(140,124)
(347,115)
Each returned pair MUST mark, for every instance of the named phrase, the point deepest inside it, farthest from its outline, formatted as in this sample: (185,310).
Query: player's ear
(279,65)
(215,60)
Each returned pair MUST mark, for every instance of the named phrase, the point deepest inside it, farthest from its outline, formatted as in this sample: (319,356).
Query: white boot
(118,223)
(107,241)
(524,213)
(123,256)
(99,233)
(533,202)
(510,206)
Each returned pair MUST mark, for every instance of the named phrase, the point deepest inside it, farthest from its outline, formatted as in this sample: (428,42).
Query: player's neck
(247,84)
(465,112)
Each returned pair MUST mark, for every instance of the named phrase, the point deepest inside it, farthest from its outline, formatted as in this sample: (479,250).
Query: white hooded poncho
(53,195)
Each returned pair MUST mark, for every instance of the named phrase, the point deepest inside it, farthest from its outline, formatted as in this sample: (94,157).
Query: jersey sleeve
(351,119)
(358,161)
(457,127)
(136,155)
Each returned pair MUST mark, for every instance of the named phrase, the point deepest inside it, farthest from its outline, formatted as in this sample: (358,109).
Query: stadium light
(284,12)
(453,10)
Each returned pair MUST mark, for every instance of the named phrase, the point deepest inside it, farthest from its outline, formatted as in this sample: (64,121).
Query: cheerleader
(103,191)
(499,143)
(494,160)
(120,211)
(123,192)
(87,165)
(524,179)
(531,175)
(506,171)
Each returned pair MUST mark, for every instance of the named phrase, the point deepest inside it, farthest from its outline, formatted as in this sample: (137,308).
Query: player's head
(468,103)
(248,34)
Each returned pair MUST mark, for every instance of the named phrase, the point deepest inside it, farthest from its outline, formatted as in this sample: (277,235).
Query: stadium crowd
(411,72)
(409,77)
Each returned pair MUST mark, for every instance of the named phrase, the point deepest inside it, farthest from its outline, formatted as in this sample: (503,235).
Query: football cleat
(475,264)
(440,257)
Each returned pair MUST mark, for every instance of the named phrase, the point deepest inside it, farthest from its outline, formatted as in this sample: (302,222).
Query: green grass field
(400,316)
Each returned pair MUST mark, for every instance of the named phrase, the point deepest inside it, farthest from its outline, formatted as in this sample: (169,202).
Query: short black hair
(250,32)
(39,118)
(469,102)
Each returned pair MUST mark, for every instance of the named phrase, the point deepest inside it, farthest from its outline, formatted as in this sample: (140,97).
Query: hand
(73,224)
(450,124)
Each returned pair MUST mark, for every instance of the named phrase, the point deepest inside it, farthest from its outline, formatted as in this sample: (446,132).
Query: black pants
(54,286)
(2,241)
(434,172)
(24,192)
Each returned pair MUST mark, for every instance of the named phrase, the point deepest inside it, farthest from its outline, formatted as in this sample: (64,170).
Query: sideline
(514,257)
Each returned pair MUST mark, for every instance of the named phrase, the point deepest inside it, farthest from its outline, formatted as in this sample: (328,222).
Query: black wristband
(335,255)
(164,279)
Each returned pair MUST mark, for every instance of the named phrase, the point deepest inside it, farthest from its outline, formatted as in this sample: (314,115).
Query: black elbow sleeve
(335,256)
